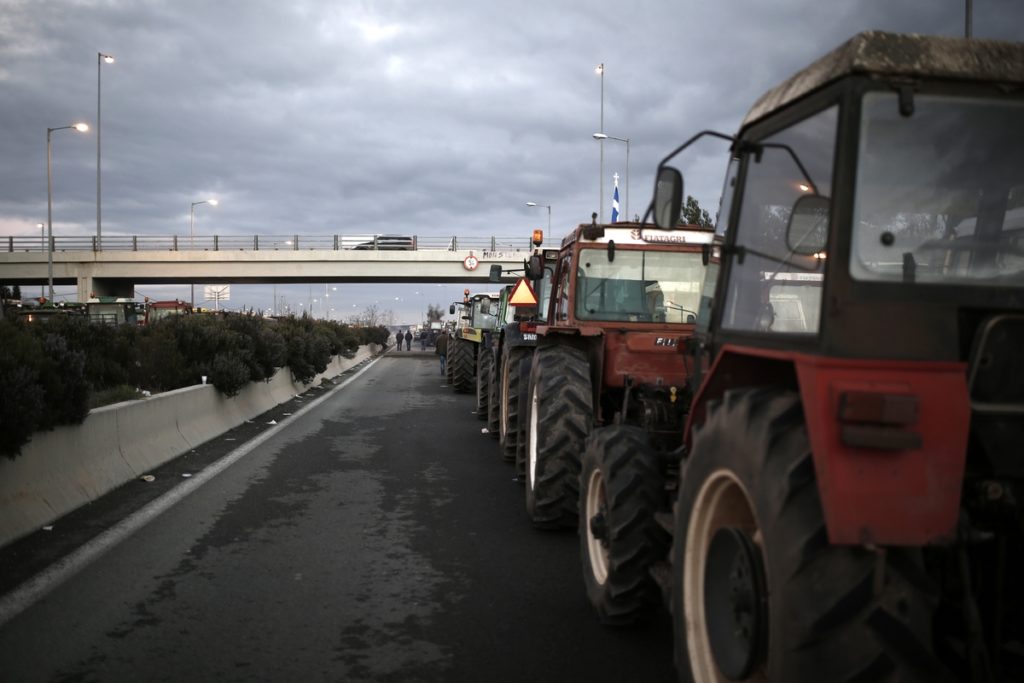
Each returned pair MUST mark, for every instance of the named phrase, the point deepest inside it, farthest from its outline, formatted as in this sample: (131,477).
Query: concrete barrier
(72,465)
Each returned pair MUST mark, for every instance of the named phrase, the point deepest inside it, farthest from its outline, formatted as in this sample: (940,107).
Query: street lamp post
(546,206)
(100,59)
(191,235)
(42,245)
(81,128)
(599,69)
(602,137)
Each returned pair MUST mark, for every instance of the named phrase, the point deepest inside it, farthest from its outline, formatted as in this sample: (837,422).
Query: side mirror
(807,230)
(668,197)
(495,274)
(451,310)
(534,268)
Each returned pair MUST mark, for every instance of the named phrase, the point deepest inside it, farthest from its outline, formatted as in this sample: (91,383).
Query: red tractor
(622,303)
(160,310)
(849,506)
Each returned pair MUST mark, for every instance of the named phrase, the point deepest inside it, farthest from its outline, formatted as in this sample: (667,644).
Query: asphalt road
(377,537)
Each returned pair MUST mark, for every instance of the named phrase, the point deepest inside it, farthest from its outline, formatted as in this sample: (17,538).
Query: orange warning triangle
(522,294)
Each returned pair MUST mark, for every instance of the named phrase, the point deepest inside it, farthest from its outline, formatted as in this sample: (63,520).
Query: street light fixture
(546,206)
(191,230)
(602,137)
(100,59)
(81,128)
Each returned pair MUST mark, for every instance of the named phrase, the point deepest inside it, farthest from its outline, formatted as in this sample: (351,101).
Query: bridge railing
(27,243)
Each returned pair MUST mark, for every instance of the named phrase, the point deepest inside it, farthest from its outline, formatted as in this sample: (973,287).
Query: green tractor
(480,316)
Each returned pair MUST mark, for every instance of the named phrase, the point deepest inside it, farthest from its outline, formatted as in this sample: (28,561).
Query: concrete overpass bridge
(115,266)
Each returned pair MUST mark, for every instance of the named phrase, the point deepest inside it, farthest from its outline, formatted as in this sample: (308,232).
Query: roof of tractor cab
(637,233)
(900,55)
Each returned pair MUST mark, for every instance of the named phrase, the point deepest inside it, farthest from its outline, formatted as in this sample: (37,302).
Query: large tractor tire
(758,591)
(514,370)
(493,404)
(622,486)
(448,360)
(561,413)
(460,357)
(484,363)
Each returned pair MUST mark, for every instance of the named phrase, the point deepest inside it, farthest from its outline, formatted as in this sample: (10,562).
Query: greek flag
(615,205)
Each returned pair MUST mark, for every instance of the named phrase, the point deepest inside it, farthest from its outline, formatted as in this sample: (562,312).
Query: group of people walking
(440,344)
(407,336)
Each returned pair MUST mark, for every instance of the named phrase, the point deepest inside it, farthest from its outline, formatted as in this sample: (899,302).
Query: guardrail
(27,243)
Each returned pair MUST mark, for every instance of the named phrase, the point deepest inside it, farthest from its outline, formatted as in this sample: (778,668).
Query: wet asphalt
(378,537)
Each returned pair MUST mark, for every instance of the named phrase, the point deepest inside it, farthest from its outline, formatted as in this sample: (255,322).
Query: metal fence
(26,243)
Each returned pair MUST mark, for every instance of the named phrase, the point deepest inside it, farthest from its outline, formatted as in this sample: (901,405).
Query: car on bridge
(389,243)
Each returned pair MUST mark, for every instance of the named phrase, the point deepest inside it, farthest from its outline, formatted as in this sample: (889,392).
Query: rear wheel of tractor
(484,362)
(758,591)
(511,372)
(493,405)
(622,486)
(460,356)
(561,412)
(449,346)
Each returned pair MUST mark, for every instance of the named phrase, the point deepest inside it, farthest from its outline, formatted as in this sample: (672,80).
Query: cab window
(776,285)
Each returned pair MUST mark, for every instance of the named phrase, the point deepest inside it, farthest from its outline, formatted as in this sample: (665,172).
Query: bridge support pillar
(97,286)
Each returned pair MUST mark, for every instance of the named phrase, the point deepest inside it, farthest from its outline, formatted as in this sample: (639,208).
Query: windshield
(485,312)
(940,194)
(543,289)
(638,286)
(161,313)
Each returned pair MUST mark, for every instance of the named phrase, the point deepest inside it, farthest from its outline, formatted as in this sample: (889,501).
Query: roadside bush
(268,348)
(111,350)
(372,335)
(52,373)
(22,399)
(62,377)
(309,347)
(229,373)
(161,366)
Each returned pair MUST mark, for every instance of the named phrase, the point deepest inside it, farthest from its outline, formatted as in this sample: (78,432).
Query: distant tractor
(478,318)
(115,310)
(852,476)
(162,310)
(623,302)
(513,348)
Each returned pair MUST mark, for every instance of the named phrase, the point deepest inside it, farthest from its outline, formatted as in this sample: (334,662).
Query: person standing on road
(408,340)
(423,340)
(398,340)
(441,348)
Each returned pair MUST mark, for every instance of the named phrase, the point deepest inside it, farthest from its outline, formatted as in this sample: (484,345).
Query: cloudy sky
(392,116)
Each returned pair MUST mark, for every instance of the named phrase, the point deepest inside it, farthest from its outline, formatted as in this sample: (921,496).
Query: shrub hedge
(48,371)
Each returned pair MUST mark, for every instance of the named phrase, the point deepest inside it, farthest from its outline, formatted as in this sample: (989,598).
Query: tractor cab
(889,175)
(859,348)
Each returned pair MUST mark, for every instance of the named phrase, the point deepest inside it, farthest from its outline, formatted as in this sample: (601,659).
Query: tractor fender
(888,438)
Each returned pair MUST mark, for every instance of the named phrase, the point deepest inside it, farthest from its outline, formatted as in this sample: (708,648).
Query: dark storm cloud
(437,118)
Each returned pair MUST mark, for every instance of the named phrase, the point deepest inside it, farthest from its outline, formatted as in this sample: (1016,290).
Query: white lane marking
(39,586)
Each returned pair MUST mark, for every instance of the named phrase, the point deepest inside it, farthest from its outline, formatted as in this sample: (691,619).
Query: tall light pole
(546,206)
(602,137)
(81,128)
(42,245)
(599,70)
(191,230)
(100,59)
